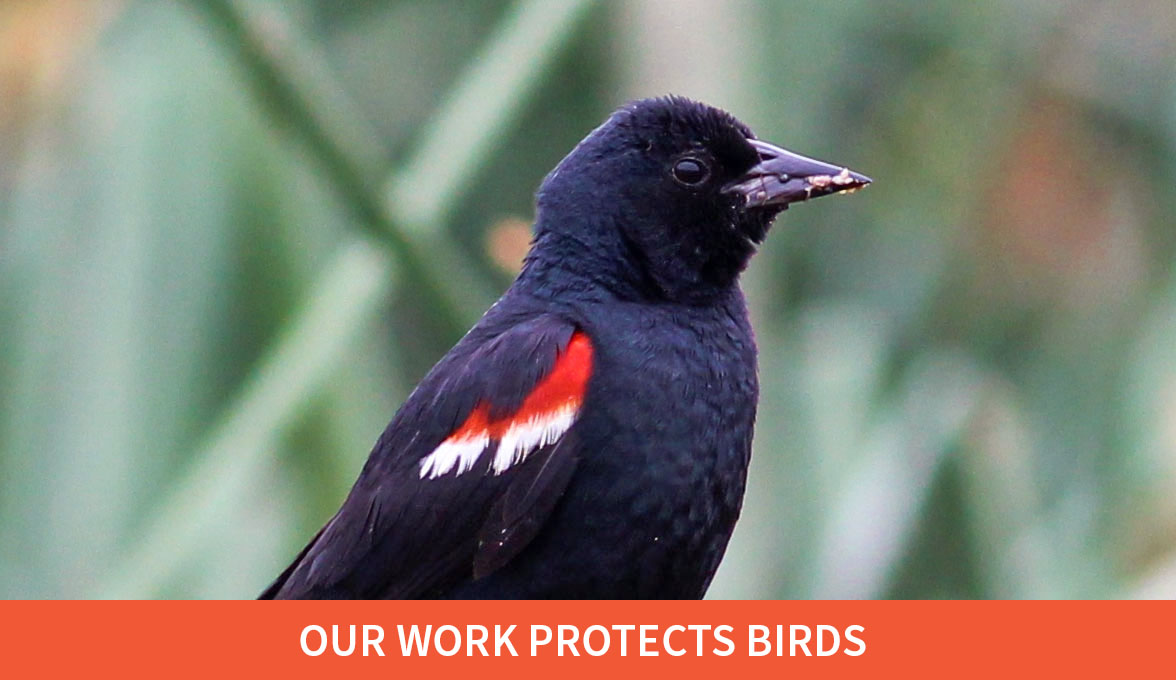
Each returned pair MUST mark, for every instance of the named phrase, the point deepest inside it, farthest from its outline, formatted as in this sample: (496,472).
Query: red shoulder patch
(544,416)
(563,387)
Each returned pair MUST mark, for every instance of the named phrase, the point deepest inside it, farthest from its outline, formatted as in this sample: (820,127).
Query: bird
(589,437)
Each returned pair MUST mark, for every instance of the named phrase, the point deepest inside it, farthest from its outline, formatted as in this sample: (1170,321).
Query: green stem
(350,292)
(492,92)
(288,83)
(228,465)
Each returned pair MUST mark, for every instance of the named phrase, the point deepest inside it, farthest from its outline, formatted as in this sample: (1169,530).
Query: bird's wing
(464,476)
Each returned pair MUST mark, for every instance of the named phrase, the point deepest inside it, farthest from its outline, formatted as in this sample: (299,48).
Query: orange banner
(584,639)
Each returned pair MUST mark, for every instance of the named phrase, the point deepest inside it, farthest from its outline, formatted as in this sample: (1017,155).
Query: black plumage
(590,436)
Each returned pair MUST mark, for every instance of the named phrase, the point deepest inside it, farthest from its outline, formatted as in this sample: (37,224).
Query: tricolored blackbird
(590,436)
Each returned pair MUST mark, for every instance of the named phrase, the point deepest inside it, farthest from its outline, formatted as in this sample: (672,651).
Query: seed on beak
(819,181)
(825,181)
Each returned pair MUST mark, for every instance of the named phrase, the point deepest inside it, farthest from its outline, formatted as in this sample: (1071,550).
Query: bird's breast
(666,431)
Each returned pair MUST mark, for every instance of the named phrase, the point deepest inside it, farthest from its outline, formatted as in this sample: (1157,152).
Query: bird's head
(682,191)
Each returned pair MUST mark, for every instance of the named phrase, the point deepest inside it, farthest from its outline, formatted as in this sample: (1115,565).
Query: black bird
(589,437)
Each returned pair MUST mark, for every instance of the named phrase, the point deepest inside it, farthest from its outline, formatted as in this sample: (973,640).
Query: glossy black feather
(401,536)
(640,497)
(521,510)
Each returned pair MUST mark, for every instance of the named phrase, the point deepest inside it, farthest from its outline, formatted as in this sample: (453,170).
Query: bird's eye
(691,171)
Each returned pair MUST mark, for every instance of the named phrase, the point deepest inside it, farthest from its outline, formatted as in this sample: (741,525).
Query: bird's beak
(782,177)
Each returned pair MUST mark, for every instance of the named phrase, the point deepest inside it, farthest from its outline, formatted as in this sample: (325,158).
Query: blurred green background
(233,235)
